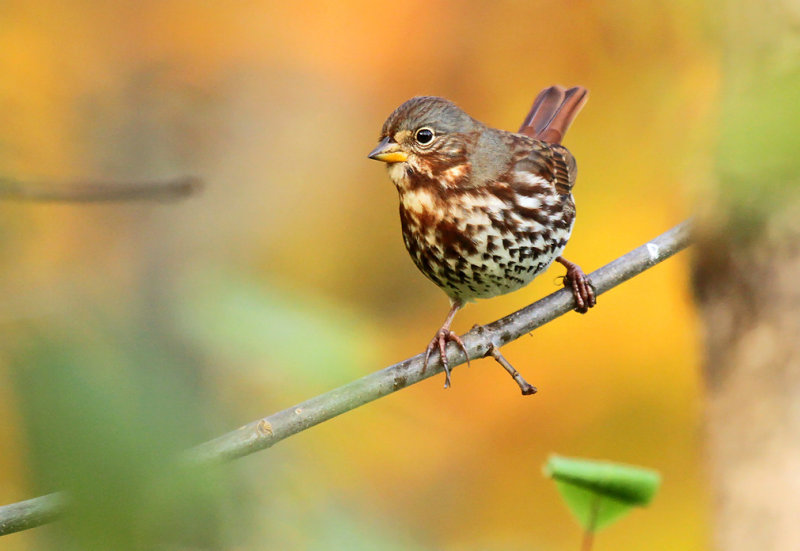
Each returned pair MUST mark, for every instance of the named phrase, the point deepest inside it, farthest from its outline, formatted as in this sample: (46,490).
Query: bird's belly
(503,265)
(482,253)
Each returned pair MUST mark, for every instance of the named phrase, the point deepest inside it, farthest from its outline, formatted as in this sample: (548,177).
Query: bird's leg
(580,285)
(439,341)
(524,386)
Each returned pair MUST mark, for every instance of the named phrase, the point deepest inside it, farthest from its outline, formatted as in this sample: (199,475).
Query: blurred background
(132,331)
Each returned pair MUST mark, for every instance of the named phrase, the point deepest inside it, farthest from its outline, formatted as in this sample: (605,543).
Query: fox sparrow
(484,211)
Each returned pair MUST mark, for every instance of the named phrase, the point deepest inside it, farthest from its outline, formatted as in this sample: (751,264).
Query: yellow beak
(388,152)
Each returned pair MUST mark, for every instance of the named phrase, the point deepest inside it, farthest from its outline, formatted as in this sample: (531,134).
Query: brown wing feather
(551,162)
(552,112)
(565,169)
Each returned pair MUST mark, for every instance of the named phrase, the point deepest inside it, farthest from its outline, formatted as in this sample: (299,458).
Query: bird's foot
(440,341)
(579,284)
(524,385)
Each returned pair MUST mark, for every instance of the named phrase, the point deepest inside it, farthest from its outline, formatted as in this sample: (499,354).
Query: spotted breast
(479,239)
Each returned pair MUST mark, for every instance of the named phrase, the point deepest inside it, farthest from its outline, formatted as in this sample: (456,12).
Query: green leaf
(106,411)
(600,492)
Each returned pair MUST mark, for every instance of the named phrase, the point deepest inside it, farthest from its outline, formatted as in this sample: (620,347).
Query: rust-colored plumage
(484,211)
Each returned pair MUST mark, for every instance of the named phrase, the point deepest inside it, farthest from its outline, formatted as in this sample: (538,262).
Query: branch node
(264,428)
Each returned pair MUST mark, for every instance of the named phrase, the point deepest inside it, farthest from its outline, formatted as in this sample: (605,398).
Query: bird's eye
(424,136)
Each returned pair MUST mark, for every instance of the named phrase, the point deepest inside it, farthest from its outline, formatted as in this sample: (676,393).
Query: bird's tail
(553,111)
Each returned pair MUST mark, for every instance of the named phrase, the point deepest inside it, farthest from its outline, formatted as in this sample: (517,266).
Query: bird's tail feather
(552,112)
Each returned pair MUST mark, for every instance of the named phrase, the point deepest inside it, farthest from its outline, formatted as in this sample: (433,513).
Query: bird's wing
(541,167)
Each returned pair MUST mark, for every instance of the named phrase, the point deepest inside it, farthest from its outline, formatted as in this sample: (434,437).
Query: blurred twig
(480,341)
(97,192)
(30,513)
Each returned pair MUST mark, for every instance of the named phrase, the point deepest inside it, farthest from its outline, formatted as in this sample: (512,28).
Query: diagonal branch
(480,341)
(31,513)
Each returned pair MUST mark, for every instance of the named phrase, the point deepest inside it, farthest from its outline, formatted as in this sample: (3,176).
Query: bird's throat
(397,172)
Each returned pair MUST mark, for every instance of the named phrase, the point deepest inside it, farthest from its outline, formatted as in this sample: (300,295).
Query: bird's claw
(440,341)
(582,289)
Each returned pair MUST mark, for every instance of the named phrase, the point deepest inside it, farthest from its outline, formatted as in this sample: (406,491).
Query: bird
(484,211)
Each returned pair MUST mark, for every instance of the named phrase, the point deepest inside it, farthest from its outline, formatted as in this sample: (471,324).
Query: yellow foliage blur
(287,276)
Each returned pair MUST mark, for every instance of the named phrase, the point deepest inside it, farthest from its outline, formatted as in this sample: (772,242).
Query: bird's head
(425,137)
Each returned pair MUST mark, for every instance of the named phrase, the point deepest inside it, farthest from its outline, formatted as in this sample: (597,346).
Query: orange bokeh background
(275,105)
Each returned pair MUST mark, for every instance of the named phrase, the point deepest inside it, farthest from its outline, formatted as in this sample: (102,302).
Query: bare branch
(480,342)
(30,513)
(98,192)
